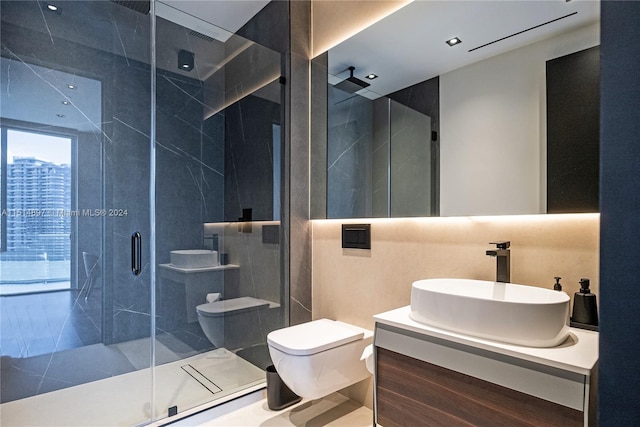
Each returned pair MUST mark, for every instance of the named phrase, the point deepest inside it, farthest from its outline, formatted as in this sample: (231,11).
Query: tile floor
(334,410)
(123,400)
(52,340)
(41,323)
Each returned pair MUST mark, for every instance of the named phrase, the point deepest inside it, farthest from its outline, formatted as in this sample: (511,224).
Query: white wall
(493,129)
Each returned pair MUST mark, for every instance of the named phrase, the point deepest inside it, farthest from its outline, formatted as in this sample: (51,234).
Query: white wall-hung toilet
(233,323)
(320,357)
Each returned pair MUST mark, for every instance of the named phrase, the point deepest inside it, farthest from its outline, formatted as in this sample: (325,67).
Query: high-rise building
(38,202)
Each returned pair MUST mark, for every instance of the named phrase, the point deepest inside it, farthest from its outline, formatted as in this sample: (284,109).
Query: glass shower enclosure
(140,252)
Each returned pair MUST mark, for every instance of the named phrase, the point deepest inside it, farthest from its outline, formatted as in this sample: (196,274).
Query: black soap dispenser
(585,308)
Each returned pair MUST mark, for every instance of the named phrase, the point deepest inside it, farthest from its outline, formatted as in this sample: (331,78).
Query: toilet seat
(230,306)
(313,337)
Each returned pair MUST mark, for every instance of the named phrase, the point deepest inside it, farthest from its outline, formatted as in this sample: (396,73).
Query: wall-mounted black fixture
(356,236)
(503,256)
(186,60)
(351,84)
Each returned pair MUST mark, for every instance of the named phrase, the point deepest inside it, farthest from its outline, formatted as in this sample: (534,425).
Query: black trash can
(279,396)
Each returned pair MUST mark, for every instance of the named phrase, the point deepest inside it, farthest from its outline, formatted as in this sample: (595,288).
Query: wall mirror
(430,128)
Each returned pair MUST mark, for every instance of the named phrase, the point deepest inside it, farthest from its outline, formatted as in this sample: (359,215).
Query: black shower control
(356,236)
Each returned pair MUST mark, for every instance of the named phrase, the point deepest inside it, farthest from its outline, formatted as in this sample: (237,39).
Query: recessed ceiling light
(372,76)
(70,86)
(454,41)
(49,7)
(60,115)
(65,102)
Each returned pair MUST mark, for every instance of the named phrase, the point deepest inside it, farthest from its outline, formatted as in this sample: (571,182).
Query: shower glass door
(122,119)
(217,209)
(75,114)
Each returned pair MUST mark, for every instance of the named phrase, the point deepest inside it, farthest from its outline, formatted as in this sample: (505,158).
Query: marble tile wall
(285,27)
(349,153)
(249,157)
(318,143)
(258,275)
(296,195)
(116,165)
(424,97)
(357,155)
(411,172)
(122,139)
(353,285)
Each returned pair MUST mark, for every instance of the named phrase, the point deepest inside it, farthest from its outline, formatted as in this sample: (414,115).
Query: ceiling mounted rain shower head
(351,84)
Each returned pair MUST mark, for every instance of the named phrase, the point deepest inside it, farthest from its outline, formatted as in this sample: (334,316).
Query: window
(36,210)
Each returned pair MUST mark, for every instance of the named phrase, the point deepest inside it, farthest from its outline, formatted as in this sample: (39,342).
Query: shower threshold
(117,401)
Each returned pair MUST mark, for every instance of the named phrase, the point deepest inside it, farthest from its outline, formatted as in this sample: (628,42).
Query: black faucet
(503,269)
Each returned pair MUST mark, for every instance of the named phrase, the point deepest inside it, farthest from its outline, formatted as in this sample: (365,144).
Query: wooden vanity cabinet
(425,381)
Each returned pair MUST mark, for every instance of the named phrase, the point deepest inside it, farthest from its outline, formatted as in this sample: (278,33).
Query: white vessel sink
(515,314)
(194,258)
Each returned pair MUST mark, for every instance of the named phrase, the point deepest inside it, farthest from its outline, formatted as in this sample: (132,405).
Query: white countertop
(579,353)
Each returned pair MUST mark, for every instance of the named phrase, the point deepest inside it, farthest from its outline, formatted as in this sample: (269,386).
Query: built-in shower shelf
(197,283)
(200,269)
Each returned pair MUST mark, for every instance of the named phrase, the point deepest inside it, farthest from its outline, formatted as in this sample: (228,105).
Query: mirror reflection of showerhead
(351,84)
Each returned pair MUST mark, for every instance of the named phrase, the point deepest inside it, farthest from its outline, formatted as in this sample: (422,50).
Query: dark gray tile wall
(285,27)
(269,27)
(349,154)
(380,159)
(410,162)
(424,97)
(189,153)
(190,159)
(125,155)
(249,158)
(297,182)
(319,97)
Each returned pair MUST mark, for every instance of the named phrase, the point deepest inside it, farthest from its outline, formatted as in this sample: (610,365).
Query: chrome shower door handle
(136,253)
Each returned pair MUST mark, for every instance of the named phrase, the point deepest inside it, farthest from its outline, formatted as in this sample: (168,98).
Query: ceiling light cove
(454,41)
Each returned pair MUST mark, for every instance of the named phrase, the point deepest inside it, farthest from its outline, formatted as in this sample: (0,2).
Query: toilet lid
(313,337)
